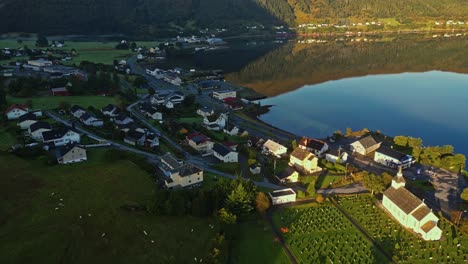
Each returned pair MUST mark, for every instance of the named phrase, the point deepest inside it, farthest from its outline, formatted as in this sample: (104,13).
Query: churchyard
(322,234)
(400,243)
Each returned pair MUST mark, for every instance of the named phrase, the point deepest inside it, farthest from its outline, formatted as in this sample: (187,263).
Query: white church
(410,211)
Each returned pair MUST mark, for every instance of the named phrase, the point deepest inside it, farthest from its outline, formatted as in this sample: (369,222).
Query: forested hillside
(153,17)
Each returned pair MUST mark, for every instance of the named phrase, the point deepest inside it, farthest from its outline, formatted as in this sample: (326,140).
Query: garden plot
(400,243)
(321,234)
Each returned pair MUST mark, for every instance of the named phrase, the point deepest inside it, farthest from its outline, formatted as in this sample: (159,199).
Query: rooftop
(421,212)
(221,149)
(39,125)
(392,153)
(284,192)
(26,117)
(312,143)
(368,142)
(428,226)
(301,154)
(403,198)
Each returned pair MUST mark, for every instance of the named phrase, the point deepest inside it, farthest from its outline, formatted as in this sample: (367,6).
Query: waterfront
(431,105)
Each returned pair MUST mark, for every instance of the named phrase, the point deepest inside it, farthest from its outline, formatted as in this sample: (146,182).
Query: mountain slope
(152,16)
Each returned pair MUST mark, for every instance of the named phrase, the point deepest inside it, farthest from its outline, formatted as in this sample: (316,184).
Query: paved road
(114,144)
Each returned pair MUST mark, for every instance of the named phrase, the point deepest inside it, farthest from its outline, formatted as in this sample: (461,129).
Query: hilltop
(162,17)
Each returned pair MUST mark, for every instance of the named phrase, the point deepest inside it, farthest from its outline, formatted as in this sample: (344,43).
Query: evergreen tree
(239,201)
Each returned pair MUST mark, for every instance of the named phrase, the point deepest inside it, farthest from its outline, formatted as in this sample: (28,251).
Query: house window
(198,178)
(190,181)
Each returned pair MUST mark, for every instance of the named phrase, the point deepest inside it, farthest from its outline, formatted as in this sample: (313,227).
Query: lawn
(191,120)
(53,102)
(322,234)
(73,213)
(327,181)
(6,139)
(255,242)
(403,245)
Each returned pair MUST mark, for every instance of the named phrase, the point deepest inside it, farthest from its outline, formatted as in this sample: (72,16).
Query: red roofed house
(61,91)
(15,111)
(200,142)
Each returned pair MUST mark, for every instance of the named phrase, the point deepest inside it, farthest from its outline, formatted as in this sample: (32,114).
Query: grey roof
(286,173)
(392,153)
(75,108)
(403,198)
(39,125)
(109,108)
(86,116)
(302,154)
(170,161)
(282,193)
(368,142)
(134,135)
(61,151)
(221,149)
(188,169)
(56,134)
(27,116)
(121,117)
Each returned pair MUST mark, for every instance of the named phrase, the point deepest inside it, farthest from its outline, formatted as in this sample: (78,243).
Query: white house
(255,168)
(221,95)
(77,111)
(177,174)
(215,122)
(69,153)
(60,137)
(205,111)
(40,63)
(336,155)
(153,113)
(315,146)
(135,138)
(392,158)
(273,148)
(224,153)
(26,120)
(231,129)
(410,211)
(110,110)
(288,175)
(36,130)
(122,119)
(282,196)
(89,120)
(304,161)
(15,111)
(365,145)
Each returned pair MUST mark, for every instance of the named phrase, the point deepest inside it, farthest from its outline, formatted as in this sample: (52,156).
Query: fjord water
(432,105)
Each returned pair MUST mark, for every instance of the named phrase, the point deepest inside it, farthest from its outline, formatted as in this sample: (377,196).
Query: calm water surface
(432,105)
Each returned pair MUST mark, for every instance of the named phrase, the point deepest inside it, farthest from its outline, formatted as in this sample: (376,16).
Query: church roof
(421,212)
(428,226)
(399,179)
(403,198)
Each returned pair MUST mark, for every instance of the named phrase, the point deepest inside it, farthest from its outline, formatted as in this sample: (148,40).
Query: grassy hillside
(73,214)
(159,17)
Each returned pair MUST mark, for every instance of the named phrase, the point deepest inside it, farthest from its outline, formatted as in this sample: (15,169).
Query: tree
(42,41)
(349,131)
(262,203)
(3,100)
(239,201)
(400,141)
(189,100)
(133,45)
(140,81)
(294,144)
(226,217)
(319,198)
(64,105)
(464,194)
(415,142)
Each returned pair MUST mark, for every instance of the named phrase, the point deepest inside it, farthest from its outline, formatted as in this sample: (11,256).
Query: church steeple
(398,181)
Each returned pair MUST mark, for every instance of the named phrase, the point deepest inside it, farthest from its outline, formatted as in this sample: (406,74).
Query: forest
(164,17)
